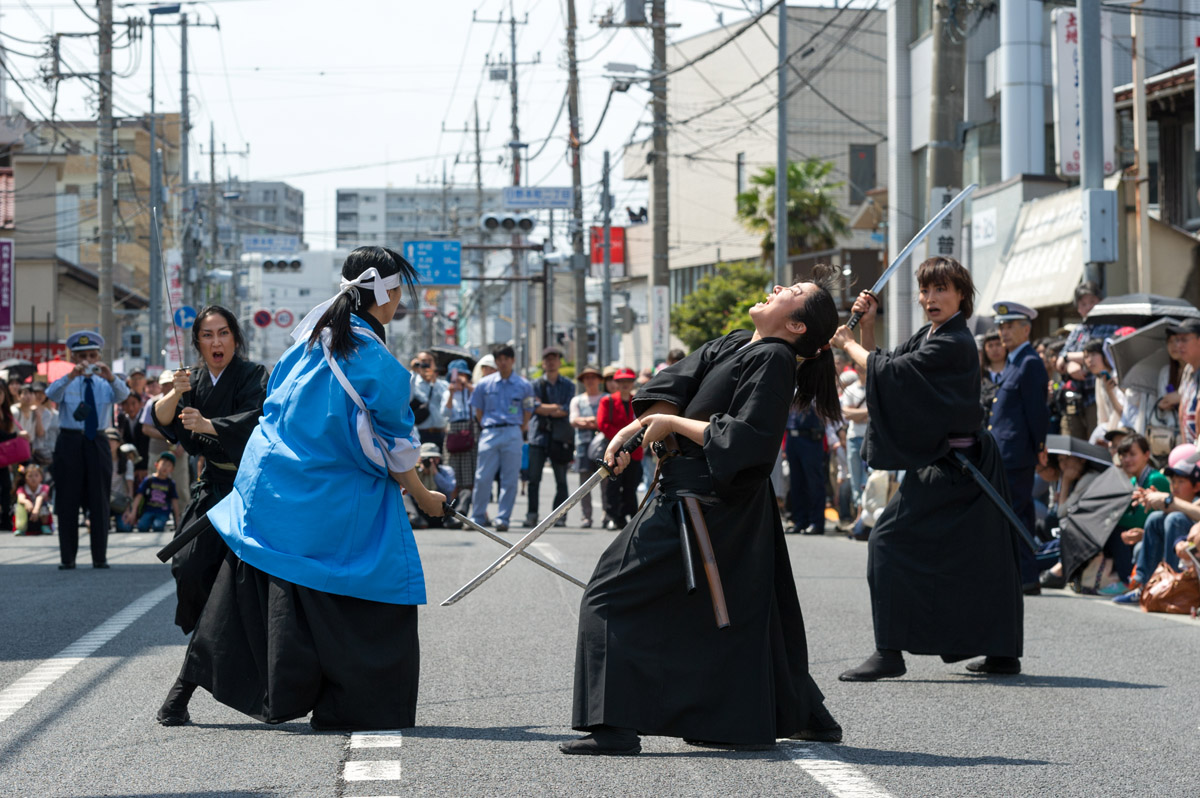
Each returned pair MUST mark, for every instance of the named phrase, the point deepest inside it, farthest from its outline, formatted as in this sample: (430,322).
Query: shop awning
(1045,261)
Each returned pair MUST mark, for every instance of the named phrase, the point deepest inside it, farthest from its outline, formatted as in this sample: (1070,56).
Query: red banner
(616,242)
(34,352)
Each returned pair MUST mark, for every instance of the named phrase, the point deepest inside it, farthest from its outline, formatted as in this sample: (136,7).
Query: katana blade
(997,500)
(602,472)
(507,544)
(908,250)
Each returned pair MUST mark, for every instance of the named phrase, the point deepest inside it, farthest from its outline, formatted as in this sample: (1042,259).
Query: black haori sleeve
(741,445)
(920,393)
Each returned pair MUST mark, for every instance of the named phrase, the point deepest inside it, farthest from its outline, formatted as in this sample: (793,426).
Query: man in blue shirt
(82,460)
(552,437)
(1019,420)
(432,392)
(503,403)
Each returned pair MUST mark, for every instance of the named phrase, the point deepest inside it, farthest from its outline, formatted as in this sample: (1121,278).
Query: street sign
(262,318)
(533,197)
(185,317)
(7,316)
(270,245)
(284,317)
(438,263)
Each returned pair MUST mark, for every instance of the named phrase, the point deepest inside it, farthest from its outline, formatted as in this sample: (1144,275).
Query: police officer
(1019,420)
(82,460)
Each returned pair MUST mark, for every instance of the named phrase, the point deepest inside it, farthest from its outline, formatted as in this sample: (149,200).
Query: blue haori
(313,502)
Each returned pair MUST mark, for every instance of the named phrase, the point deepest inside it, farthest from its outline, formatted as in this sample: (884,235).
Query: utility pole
(945,110)
(1141,147)
(606,354)
(1099,206)
(578,261)
(480,256)
(104,186)
(782,239)
(660,274)
(213,243)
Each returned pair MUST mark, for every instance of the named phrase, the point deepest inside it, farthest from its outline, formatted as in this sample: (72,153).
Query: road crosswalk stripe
(29,686)
(372,770)
(840,778)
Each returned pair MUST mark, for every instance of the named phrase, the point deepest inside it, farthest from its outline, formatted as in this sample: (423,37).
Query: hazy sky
(356,93)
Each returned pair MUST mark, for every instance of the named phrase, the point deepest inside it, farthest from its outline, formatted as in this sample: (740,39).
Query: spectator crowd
(1080,438)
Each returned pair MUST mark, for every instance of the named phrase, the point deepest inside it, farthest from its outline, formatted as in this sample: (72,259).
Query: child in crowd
(156,498)
(32,513)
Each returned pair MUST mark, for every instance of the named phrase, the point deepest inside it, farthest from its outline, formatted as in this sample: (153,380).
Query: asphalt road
(1108,702)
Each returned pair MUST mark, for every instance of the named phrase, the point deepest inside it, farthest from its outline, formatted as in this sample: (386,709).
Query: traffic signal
(508,223)
(282,265)
(624,318)
(135,344)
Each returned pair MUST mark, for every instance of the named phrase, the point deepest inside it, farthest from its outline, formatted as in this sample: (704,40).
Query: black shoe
(67,566)
(996,666)
(530,521)
(829,735)
(1051,580)
(174,711)
(880,665)
(101,565)
(731,746)
(604,741)
(1032,589)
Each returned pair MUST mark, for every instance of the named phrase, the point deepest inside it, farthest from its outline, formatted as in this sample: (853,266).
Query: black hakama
(277,651)
(942,561)
(649,656)
(233,406)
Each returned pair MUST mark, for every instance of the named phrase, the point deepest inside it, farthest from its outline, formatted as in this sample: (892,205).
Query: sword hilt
(856,316)
(628,448)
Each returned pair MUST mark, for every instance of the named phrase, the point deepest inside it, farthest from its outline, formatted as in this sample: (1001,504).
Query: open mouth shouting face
(215,341)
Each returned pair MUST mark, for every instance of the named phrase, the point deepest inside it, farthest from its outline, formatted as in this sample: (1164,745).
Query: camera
(90,369)
(426,462)
(81,412)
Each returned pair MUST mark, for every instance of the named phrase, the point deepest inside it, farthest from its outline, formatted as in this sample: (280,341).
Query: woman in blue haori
(314,610)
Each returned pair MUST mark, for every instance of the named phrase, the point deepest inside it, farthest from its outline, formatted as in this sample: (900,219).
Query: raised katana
(450,511)
(603,471)
(908,250)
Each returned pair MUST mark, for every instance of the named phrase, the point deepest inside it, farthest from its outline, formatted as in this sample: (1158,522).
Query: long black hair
(337,317)
(239,342)
(816,377)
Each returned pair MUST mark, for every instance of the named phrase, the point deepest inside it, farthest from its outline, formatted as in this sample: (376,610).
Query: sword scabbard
(711,574)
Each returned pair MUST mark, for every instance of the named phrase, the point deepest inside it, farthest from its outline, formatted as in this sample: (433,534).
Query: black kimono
(649,656)
(942,560)
(234,406)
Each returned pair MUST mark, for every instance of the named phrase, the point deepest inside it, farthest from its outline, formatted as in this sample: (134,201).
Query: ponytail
(337,320)
(816,384)
(816,376)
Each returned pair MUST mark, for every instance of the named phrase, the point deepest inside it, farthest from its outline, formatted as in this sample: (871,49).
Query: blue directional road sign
(185,317)
(438,263)
(533,197)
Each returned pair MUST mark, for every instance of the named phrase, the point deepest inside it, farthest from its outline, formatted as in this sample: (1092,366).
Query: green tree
(814,220)
(720,303)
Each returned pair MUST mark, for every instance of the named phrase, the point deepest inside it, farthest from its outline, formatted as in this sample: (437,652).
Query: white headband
(368,279)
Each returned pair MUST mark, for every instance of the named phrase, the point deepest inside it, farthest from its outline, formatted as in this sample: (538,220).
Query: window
(303,291)
(741,172)
(922,17)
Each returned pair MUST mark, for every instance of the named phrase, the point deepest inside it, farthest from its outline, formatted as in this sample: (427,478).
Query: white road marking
(840,778)
(29,686)
(372,770)
(375,739)
(548,552)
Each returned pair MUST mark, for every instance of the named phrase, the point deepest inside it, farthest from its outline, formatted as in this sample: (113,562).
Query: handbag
(15,450)
(1168,590)
(460,441)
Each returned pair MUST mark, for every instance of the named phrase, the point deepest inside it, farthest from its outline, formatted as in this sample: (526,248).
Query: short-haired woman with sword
(650,657)
(942,561)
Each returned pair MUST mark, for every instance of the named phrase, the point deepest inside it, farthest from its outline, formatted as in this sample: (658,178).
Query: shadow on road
(502,733)
(1032,680)
(877,756)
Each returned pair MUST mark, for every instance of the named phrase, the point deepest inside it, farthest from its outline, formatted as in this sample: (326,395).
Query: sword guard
(628,448)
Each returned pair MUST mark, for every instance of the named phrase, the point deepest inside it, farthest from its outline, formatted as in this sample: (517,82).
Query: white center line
(376,739)
(840,778)
(372,770)
(29,686)
(548,552)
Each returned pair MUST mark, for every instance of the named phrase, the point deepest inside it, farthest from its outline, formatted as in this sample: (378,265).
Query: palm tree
(814,220)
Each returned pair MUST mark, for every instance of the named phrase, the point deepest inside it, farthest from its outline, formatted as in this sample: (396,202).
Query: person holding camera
(435,477)
(82,461)
(1109,401)
(462,433)
(430,393)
